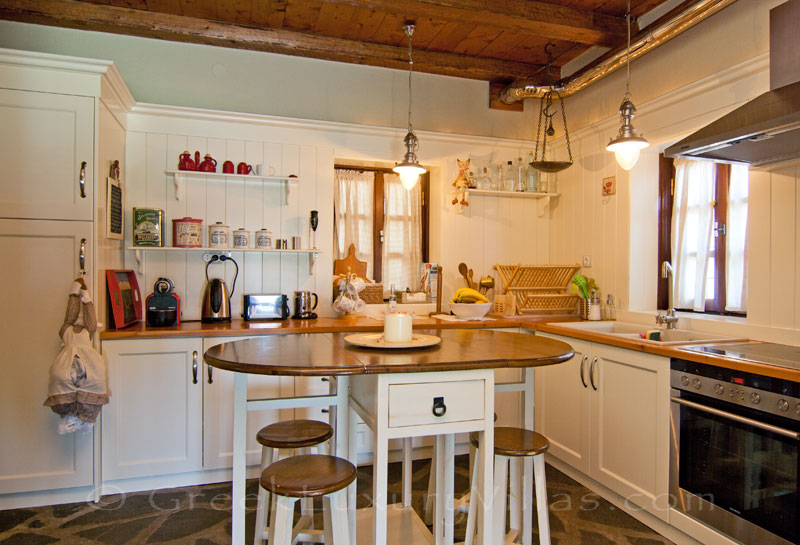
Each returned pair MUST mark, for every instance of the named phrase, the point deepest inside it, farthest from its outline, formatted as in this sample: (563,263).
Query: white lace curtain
(353,198)
(402,231)
(736,274)
(402,245)
(692,231)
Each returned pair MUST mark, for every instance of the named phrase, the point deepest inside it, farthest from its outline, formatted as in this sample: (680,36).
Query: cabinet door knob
(439,408)
(82,179)
(210,377)
(194,367)
(591,374)
(583,365)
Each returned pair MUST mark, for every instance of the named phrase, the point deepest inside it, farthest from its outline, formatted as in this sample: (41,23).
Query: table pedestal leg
(239,456)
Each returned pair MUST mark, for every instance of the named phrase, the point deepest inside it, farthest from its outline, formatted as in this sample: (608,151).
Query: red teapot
(185,162)
(209,164)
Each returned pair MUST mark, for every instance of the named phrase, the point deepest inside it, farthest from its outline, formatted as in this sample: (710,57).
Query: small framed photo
(124,299)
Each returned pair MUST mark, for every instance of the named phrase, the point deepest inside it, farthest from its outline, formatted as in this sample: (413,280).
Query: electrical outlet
(587,261)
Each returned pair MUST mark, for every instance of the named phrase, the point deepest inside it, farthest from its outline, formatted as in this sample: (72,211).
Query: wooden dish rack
(540,289)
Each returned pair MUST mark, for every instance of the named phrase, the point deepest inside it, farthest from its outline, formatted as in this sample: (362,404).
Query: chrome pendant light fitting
(410,169)
(627,144)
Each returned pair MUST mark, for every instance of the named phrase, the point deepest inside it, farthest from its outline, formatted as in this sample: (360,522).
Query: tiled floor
(200,515)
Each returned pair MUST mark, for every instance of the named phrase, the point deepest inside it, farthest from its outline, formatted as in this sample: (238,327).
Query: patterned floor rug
(200,515)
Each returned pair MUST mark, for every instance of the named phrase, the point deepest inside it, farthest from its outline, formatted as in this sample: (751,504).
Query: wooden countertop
(239,327)
(329,354)
(673,351)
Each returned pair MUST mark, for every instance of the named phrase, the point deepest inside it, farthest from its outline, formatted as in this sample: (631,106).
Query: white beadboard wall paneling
(491,230)
(759,249)
(783,279)
(796,282)
(322,203)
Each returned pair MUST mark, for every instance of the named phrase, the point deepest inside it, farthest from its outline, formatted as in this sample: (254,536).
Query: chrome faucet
(671,317)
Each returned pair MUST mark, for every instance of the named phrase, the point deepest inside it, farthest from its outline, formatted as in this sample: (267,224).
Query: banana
(468,295)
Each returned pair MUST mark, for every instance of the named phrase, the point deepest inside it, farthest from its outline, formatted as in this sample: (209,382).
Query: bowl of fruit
(470,304)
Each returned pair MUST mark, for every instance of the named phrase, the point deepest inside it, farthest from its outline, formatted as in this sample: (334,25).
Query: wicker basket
(372,294)
(540,289)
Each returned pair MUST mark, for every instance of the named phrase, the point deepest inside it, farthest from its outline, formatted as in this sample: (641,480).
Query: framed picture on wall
(124,299)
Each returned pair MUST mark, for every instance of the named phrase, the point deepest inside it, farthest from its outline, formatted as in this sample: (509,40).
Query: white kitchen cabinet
(611,421)
(46,149)
(41,259)
(563,406)
(218,410)
(154,422)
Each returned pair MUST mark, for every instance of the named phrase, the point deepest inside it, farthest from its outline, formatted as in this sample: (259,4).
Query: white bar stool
(301,435)
(515,446)
(304,477)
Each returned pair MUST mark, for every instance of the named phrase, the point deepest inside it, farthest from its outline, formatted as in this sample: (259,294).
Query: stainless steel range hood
(766,130)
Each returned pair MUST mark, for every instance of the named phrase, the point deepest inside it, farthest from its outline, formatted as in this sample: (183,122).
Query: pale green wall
(218,78)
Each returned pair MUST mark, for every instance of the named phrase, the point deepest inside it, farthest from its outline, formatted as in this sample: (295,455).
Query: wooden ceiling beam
(525,16)
(104,18)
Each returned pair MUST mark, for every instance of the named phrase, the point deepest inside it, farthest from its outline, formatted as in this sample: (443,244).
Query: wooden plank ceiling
(493,40)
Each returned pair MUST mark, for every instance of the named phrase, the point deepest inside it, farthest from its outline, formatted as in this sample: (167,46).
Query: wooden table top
(326,354)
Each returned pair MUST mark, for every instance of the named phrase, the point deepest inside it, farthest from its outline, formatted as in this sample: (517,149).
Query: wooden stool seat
(294,434)
(308,476)
(515,442)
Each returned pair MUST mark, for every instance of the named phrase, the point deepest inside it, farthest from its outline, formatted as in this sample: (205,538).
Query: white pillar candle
(397,327)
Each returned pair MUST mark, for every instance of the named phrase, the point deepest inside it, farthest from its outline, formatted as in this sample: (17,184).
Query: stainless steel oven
(735,452)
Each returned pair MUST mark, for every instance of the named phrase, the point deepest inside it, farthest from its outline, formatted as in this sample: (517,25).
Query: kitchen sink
(630,331)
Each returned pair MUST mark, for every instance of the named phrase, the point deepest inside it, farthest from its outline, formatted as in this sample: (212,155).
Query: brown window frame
(666,189)
(379,214)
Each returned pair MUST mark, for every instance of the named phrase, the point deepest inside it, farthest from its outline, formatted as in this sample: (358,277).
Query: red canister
(187,233)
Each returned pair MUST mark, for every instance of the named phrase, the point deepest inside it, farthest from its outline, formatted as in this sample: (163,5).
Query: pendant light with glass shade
(410,169)
(627,144)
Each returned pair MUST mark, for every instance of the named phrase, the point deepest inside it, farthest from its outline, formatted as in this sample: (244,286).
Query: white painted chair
(306,477)
(302,436)
(516,447)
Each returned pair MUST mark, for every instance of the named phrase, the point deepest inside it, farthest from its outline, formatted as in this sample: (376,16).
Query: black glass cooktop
(781,355)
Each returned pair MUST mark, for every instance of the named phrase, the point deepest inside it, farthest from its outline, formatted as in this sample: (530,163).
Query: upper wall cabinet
(46,149)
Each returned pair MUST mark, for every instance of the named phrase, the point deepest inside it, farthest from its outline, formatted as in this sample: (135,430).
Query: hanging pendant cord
(410,32)
(628,53)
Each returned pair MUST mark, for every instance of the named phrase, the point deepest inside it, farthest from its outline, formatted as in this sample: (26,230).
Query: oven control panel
(764,394)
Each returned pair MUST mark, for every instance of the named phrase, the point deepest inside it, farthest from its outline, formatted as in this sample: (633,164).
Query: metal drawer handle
(82,256)
(583,364)
(210,377)
(736,418)
(591,374)
(82,179)
(194,367)
(439,408)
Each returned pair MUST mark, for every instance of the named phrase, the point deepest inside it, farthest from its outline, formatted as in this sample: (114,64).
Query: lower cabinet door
(153,424)
(218,410)
(40,263)
(562,404)
(630,426)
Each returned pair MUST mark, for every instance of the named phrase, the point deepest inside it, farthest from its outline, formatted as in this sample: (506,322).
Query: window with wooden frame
(707,224)
(388,225)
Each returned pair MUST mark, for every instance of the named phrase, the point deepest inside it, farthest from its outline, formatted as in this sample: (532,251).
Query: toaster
(265,307)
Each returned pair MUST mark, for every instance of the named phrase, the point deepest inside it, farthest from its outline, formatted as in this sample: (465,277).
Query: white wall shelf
(178,175)
(543,198)
(313,253)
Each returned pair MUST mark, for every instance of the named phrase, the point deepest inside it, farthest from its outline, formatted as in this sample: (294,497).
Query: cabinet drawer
(412,404)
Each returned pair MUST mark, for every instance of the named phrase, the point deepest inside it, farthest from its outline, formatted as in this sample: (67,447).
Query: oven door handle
(736,418)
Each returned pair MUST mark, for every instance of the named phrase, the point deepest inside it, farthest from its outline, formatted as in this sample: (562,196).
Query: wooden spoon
(470,281)
(464,271)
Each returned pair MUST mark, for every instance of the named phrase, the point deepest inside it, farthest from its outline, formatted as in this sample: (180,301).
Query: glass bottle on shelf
(532,175)
(521,178)
(510,176)
(485,181)
(497,176)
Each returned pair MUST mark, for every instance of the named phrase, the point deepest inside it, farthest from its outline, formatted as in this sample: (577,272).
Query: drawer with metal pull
(427,403)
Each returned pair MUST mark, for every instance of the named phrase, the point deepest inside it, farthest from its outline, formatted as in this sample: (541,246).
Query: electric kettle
(216,299)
